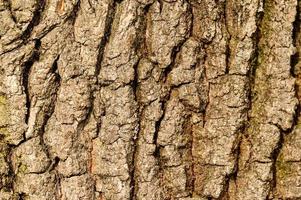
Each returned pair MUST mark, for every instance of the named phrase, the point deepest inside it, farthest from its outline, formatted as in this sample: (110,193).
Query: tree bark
(150,100)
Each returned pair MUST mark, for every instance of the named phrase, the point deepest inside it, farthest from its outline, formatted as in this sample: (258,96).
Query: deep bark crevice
(188,125)
(132,166)
(256,37)
(274,157)
(25,36)
(105,39)
(228,39)
(22,196)
(47,116)
(35,21)
(10,175)
(295,59)
(26,73)
(203,63)
(58,178)
(11,12)
(72,17)
(174,55)
(156,133)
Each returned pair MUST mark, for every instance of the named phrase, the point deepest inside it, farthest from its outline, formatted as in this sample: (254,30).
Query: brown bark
(149,100)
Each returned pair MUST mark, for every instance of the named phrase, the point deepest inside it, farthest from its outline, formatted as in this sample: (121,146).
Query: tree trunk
(150,100)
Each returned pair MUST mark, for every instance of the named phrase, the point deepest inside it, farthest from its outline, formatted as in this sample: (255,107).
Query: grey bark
(150,100)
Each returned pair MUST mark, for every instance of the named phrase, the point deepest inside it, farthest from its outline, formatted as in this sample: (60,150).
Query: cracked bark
(145,99)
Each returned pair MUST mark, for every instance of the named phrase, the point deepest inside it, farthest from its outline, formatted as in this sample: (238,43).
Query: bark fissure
(25,36)
(26,72)
(54,70)
(107,32)
(295,59)
(101,48)
(134,85)
(11,12)
(274,157)
(74,13)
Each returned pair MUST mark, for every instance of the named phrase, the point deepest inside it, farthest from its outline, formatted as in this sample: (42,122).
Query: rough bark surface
(150,99)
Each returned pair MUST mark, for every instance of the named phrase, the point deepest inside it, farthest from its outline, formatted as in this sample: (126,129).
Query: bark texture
(150,99)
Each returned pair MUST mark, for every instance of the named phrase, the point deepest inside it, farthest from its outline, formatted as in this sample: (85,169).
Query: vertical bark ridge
(287,161)
(140,45)
(259,154)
